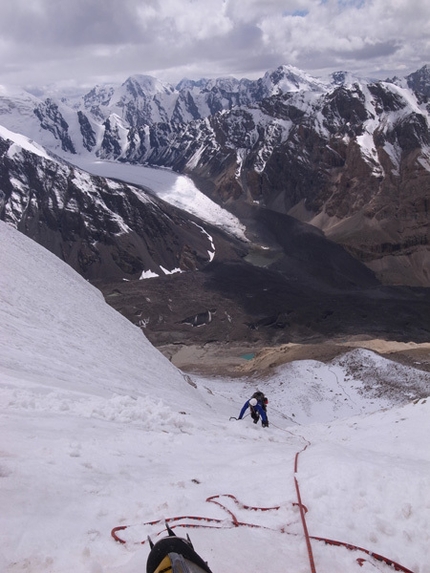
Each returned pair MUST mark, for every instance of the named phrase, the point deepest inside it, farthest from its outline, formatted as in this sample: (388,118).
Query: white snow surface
(21,142)
(99,430)
(177,190)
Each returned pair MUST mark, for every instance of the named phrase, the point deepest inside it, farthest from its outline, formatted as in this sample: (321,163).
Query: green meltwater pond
(248,356)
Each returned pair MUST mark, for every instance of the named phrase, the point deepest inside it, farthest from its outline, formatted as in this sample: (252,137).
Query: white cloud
(51,40)
(194,20)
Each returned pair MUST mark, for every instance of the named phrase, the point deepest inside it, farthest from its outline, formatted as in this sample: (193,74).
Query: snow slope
(99,430)
(177,190)
(22,142)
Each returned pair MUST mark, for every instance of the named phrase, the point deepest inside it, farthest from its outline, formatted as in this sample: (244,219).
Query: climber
(258,406)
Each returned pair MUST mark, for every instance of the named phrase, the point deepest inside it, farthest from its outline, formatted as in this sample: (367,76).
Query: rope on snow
(302,513)
(351,547)
(216,523)
(220,522)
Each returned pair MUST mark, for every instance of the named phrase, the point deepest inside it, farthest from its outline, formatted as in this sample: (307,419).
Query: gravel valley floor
(238,360)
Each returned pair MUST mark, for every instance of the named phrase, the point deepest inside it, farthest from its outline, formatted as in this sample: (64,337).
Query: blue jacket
(258,408)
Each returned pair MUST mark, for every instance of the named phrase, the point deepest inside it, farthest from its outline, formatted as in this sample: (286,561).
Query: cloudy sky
(91,41)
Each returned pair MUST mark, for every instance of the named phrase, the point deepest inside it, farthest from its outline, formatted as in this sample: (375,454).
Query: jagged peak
(288,78)
(419,81)
(342,77)
(187,84)
(289,69)
(99,91)
(424,70)
(147,84)
(228,83)
(421,74)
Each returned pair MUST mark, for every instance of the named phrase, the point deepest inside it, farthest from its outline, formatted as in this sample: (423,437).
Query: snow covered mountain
(350,156)
(101,227)
(109,119)
(268,278)
(99,430)
(114,233)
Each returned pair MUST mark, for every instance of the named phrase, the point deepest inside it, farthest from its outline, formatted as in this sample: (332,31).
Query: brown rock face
(382,220)
(357,167)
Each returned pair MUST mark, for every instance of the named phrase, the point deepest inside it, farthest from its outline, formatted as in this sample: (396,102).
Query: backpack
(261,399)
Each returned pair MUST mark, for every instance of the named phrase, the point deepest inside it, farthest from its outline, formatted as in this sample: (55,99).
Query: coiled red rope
(221,523)
(216,523)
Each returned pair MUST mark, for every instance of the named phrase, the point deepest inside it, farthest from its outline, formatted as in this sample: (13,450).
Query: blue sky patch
(296,13)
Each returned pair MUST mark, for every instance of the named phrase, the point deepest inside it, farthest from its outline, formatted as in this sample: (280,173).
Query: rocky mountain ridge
(104,229)
(287,283)
(347,155)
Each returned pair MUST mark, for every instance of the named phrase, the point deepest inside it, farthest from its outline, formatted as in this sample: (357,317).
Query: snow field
(99,430)
(177,190)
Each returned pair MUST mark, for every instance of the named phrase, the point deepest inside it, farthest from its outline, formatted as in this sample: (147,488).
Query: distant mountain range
(303,163)
(348,155)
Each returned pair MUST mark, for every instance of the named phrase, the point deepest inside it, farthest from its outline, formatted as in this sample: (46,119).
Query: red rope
(221,524)
(377,556)
(302,514)
(303,510)
(212,499)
